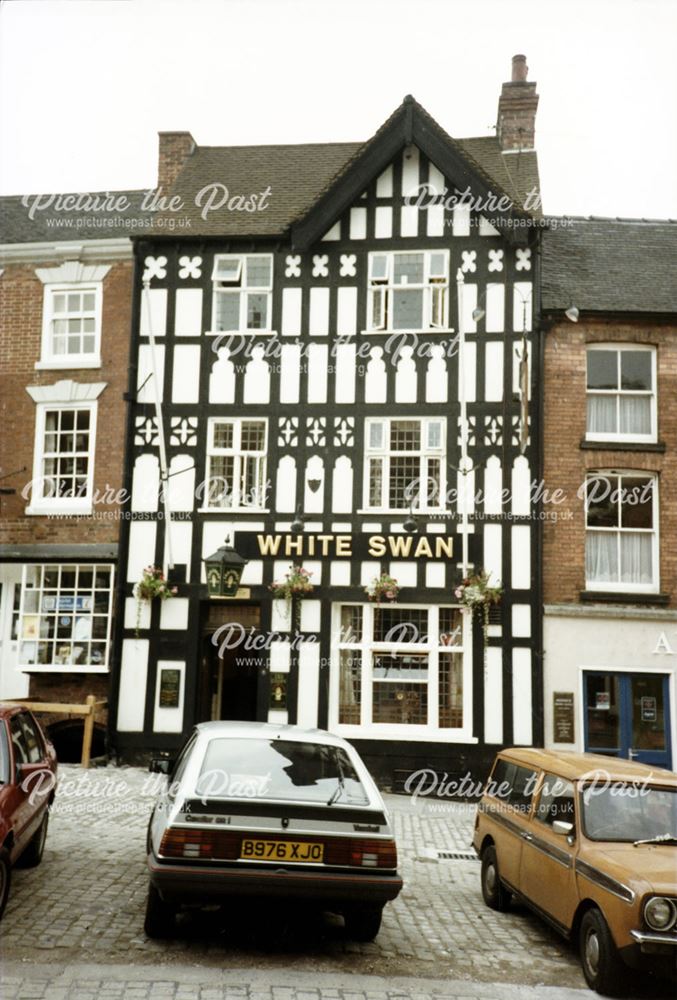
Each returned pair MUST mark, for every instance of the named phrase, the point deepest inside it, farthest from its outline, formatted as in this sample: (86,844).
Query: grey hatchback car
(254,809)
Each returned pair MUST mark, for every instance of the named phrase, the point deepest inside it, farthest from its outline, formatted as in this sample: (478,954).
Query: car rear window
(279,770)
(512,783)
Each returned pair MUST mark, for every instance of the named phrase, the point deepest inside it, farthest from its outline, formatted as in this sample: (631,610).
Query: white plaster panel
(319,312)
(291,312)
(132,693)
(186,374)
(188,312)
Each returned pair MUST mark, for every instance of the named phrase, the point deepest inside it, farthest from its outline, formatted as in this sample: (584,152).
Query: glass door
(628,715)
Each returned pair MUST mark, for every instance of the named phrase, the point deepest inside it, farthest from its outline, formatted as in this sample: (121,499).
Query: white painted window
(243,289)
(63,469)
(405,464)
(236,464)
(621,545)
(71,332)
(408,290)
(401,669)
(65,616)
(621,384)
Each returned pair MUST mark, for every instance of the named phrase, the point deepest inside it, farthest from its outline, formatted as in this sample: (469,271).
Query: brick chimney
(174,150)
(516,121)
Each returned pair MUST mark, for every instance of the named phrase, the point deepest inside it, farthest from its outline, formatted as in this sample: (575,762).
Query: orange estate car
(590,844)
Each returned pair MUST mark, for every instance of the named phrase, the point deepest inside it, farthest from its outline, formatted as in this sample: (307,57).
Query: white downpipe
(464,467)
(168,559)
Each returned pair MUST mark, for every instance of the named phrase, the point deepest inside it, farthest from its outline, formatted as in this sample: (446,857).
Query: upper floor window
(621,545)
(408,290)
(621,384)
(236,464)
(243,288)
(64,458)
(404,464)
(71,334)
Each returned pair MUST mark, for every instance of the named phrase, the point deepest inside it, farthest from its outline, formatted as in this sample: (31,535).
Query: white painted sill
(71,363)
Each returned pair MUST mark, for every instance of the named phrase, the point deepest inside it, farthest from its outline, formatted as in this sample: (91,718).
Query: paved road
(74,926)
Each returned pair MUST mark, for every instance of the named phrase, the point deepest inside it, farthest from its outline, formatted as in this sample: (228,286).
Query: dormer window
(408,291)
(243,288)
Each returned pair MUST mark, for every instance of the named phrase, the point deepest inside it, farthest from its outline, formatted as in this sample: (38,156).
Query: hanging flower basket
(296,583)
(476,594)
(382,588)
(151,585)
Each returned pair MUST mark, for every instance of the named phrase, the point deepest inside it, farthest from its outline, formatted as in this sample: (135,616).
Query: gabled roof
(51,226)
(610,265)
(312,183)
(410,123)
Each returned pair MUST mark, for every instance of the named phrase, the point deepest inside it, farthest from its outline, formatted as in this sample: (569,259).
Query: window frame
(40,504)
(389,287)
(618,349)
(366,647)
(620,587)
(237,453)
(243,291)
(48,358)
(385,454)
(68,668)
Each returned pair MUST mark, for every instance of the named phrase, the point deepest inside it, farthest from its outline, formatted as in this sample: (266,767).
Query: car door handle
(527,836)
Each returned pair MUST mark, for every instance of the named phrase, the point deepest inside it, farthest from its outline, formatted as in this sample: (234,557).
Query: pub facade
(333,420)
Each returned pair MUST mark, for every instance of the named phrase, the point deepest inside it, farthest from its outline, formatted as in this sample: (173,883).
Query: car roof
(572,765)
(268,731)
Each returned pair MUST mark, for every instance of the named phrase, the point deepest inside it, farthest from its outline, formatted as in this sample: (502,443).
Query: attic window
(243,285)
(408,291)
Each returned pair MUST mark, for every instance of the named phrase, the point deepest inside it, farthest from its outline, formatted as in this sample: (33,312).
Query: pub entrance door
(229,671)
(628,715)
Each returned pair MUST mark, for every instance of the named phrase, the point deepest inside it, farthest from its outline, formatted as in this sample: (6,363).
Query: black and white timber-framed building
(306,356)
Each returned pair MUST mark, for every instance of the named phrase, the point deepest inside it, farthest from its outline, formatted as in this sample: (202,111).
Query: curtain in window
(635,415)
(601,557)
(636,558)
(602,415)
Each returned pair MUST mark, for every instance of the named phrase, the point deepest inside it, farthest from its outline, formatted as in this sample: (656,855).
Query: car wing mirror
(562,828)
(160,765)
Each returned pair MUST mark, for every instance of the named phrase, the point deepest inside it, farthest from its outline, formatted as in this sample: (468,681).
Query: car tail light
(195,843)
(373,854)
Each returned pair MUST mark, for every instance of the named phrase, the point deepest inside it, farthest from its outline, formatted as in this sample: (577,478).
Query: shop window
(65,616)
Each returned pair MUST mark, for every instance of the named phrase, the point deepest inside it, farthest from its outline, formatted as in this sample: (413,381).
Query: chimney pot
(520,69)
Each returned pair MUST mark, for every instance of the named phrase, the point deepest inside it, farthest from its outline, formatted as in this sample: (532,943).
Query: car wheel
(495,894)
(5,879)
(159,922)
(363,923)
(601,965)
(32,855)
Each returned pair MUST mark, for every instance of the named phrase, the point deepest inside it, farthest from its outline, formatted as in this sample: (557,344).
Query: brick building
(609,305)
(65,307)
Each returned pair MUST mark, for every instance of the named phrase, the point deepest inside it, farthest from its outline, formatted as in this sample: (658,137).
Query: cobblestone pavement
(73,927)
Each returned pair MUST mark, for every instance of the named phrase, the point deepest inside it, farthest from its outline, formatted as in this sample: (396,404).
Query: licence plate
(282,850)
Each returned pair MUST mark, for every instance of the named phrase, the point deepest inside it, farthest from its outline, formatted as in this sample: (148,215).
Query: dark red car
(27,781)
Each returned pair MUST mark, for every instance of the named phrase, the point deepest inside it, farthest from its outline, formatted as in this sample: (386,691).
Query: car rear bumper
(189,883)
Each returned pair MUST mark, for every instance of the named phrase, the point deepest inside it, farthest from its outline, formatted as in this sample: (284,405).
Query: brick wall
(21,301)
(566,463)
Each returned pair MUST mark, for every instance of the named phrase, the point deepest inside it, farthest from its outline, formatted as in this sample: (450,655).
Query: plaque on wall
(563,717)
(278,690)
(170,688)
